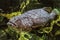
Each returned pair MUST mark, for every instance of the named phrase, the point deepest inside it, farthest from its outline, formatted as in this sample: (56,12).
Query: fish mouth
(11,24)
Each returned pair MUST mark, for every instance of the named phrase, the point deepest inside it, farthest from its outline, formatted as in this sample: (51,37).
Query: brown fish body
(32,19)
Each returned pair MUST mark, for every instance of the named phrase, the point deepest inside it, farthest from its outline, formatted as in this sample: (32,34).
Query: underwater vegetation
(50,32)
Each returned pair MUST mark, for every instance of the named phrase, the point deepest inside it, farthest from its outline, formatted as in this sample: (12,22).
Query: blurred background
(12,8)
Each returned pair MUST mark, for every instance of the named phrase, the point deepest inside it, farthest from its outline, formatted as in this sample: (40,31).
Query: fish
(32,19)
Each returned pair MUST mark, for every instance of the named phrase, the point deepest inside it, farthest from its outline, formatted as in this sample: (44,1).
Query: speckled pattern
(31,19)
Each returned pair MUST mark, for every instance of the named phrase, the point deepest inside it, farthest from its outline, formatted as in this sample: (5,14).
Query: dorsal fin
(48,9)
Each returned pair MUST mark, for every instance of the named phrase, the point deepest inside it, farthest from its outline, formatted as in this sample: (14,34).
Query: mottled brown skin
(20,26)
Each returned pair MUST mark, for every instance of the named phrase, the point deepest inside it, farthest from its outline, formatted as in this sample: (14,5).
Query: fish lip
(11,23)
